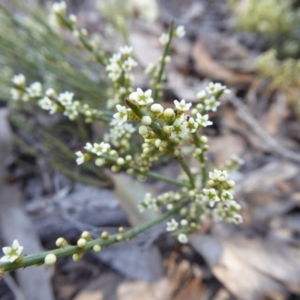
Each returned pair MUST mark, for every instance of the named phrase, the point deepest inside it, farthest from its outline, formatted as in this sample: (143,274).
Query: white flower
(71,112)
(180,31)
(150,68)
(141,207)
(59,8)
(88,147)
(141,98)
(218,214)
(172,225)
(218,175)
(45,103)
(19,80)
(182,238)
(226,195)
(35,90)
(179,129)
(191,125)
(80,158)
(129,64)
(164,38)
(114,71)
(101,148)
(211,196)
(200,198)
(237,218)
(150,202)
(72,19)
(116,58)
(211,104)
(217,89)
(121,115)
(129,128)
(15,94)
(182,106)
(126,50)
(203,120)
(51,93)
(11,254)
(53,108)
(65,98)
(201,95)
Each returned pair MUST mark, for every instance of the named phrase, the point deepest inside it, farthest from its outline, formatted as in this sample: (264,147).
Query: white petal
(6,250)
(4,259)
(15,244)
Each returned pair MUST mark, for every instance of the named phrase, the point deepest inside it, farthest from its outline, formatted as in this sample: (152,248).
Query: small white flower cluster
(120,135)
(209,97)
(104,155)
(181,233)
(13,253)
(97,149)
(58,11)
(178,32)
(215,202)
(149,202)
(220,195)
(57,17)
(121,63)
(118,69)
(50,101)
(23,93)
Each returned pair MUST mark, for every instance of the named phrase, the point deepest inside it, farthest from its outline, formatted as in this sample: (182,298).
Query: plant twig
(38,259)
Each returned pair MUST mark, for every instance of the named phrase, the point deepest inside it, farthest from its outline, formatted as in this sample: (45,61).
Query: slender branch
(148,174)
(37,259)
(83,41)
(202,160)
(156,86)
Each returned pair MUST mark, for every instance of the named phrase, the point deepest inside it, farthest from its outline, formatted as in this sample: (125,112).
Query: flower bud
(50,259)
(86,235)
(169,114)
(146,120)
(97,248)
(105,235)
(120,161)
(81,243)
(203,139)
(156,108)
(143,130)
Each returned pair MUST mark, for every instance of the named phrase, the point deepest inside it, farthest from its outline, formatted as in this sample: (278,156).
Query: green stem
(37,259)
(148,174)
(156,86)
(202,159)
(84,41)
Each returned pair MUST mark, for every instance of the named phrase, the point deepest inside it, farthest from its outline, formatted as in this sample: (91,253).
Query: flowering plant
(203,193)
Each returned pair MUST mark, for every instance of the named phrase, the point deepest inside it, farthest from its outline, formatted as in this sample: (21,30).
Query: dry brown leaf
(130,193)
(191,291)
(267,176)
(141,290)
(146,47)
(206,66)
(250,269)
(275,115)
